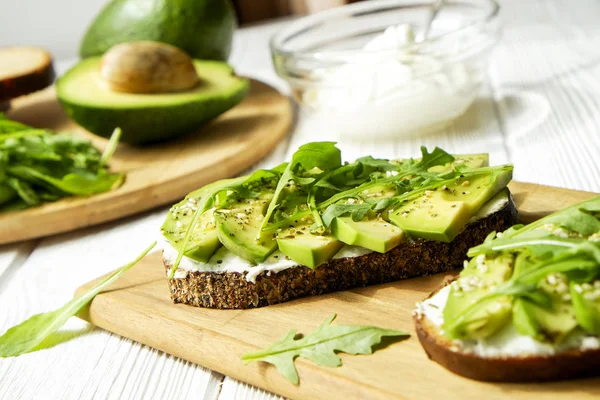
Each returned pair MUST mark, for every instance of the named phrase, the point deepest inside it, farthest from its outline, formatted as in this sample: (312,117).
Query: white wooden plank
(235,390)
(12,256)
(546,80)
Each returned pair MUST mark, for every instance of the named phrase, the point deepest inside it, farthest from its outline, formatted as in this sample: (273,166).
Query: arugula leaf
(378,163)
(323,156)
(72,183)
(9,126)
(30,333)
(321,346)
(356,211)
(581,218)
(7,193)
(42,166)
(24,190)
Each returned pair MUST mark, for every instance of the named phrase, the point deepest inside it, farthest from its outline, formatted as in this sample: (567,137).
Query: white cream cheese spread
(506,343)
(225,261)
(391,90)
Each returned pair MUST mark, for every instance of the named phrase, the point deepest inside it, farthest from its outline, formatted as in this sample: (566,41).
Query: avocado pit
(145,67)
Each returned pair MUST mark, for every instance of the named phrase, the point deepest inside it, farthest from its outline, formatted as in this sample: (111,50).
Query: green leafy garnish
(308,163)
(538,251)
(30,333)
(321,346)
(40,166)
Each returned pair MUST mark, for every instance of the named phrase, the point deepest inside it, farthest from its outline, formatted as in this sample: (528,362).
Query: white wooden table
(540,111)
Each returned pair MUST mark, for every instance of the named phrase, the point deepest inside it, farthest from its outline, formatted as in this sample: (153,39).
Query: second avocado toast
(526,307)
(315,225)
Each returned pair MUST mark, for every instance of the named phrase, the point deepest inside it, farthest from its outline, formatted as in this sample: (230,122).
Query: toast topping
(538,283)
(310,207)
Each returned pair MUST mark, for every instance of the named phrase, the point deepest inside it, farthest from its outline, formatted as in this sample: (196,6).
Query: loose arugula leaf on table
(30,333)
(321,346)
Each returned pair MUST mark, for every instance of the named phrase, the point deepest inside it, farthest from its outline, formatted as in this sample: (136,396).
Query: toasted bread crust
(565,365)
(415,257)
(33,78)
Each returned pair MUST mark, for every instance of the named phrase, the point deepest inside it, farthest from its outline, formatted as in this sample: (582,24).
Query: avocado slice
(443,213)
(475,281)
(550,323)
(203,241)
(306,248)
(238,228)
(373,234)
(586,305)
(202,28)
(147,118)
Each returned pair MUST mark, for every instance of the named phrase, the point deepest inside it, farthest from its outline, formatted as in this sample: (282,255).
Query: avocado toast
(526,307)
(315,225)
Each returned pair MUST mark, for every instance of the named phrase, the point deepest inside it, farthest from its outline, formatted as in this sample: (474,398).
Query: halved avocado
(147,118)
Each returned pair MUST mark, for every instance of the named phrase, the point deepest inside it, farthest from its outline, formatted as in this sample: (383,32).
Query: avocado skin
(147,125)
(151,123)
(202,28)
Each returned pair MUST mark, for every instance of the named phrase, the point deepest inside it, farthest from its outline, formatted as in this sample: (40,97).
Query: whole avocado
(202,28)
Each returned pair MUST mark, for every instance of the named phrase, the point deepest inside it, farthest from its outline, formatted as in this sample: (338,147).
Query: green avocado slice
(147,118)
(204,240)
(467,160)
(306,248)
(586,304)
(478,278)
(442,214)
(238,227)
(373,234)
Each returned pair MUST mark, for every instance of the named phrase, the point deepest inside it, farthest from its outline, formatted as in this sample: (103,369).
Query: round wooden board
(156,175)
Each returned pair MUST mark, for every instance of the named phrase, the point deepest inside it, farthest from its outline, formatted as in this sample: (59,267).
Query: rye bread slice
(412,258)
(570,364)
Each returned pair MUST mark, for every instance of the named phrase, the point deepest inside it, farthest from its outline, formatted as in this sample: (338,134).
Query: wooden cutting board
(138,307)
(156,175)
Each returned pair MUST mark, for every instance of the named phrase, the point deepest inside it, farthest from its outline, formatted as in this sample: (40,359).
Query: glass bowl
(366,69)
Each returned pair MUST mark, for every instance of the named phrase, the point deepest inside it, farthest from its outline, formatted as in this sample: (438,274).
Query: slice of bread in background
(415,257)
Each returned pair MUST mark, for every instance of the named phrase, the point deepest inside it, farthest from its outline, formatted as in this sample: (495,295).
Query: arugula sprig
(349,181)
(29,334)
(411,179)
(309,162)
(37,165)
(321,346)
